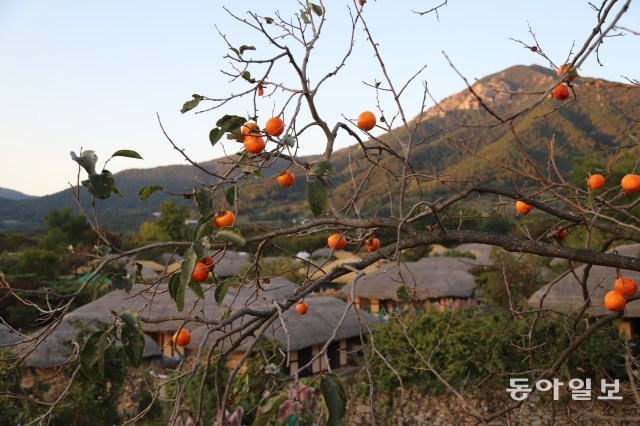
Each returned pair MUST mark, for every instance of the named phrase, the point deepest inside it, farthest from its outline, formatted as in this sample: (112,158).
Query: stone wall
(415,408)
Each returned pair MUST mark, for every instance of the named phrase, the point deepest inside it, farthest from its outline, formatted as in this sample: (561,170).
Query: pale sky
(93,74)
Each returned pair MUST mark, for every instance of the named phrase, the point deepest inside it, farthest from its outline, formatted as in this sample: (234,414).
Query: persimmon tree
(421,206)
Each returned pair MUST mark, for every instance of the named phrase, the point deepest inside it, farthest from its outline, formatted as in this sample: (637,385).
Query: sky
(93,75)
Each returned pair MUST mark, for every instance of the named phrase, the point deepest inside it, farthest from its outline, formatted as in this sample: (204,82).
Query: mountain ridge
(596,115)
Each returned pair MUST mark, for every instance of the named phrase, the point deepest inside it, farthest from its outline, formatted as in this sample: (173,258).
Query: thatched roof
(313,328)
(230,263)
(57,347)
(430,278)
(482,252)
(8,337)
(319,269)
(566,294)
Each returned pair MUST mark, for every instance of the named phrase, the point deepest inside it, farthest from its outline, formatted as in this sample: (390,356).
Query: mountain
(10,194)
(603,114)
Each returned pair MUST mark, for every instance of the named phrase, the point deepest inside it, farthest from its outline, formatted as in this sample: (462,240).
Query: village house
(566,294)
(305,335)
(434,282)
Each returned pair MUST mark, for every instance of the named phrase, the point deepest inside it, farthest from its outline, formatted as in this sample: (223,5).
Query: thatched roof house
(151,303)
(566,294)
(307,333)
(154,304)
(440,281)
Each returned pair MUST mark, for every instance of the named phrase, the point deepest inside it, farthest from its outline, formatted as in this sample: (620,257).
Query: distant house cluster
(439,282)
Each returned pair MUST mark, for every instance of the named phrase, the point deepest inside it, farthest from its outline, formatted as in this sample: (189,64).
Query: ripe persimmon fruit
(274,126)
(614,301)
(224,218)
(523,208)
(336,241)
(366,121)
(561,92)
(372,244)
(260,91)
(209,262)
(286,179)
(302,308)
(596,182)
(201,272)
(249,128)
(631,183)
(625,286)
(572,74)
(182,337)
(254,144)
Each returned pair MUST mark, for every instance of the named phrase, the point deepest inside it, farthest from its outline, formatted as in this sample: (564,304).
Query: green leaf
(201,247)
(176,291)
(269,410)
(203,201)
(221,289)
(316,196)
(257,174)
(146,191)
(230,235)
(188,265)
(230,195)
(303,15)
(117,192)
(322,168)
(317,9)
(196,288)
(214,135)
(119,281)
(204,227)
(244,48)
(126,153)
(132,337)
(236,51)
(289,140)
(100,185)
(87,160)
(334,397)
(247,76)
(92,355)
(268,20)
(230,122)
(189,105)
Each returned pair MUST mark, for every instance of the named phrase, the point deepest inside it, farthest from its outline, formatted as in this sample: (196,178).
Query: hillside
(599,116)
(10,194)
